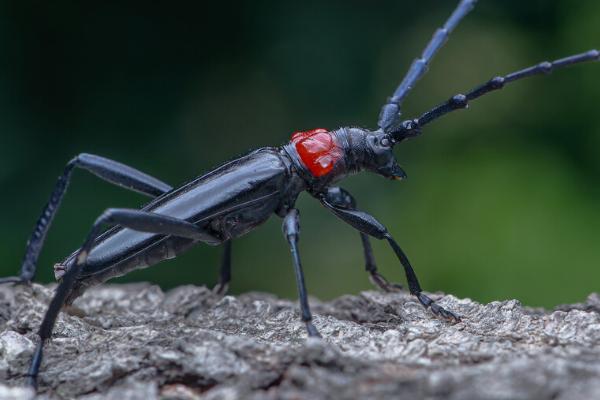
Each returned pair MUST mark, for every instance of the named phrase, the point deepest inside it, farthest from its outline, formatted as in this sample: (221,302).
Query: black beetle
(242,194)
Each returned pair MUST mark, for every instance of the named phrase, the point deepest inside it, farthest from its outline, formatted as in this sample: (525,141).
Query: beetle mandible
(240,195)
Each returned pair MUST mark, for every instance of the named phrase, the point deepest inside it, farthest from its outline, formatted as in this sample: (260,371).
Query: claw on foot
(15,279)
(312,331)
(380,281)
(437,309)
(221,289)
(32,382)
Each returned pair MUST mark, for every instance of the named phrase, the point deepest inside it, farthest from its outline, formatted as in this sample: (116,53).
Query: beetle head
(379,157)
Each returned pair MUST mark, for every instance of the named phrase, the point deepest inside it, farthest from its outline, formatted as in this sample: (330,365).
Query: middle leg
(225,271)
(291,231)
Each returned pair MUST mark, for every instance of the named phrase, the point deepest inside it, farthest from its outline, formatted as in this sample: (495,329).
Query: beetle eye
(386,142)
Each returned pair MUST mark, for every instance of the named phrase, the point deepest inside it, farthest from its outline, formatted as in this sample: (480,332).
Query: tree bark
(136,342)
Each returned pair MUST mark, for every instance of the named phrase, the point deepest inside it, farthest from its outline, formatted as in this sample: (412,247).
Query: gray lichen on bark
(136,342)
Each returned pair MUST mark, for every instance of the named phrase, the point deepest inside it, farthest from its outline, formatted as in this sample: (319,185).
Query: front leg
(341,198)
(291,231)
(367,224)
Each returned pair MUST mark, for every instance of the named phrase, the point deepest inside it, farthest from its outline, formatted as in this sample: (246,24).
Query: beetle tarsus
(16,280)
(436,309)
(312,331)
(31,381)
(381,282)
(221,289)
(36,361)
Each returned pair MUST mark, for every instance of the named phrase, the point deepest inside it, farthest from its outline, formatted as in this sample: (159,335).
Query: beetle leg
(141,221)
(369,225)
(343,199)
(225,271)
(109,170)
(291,231)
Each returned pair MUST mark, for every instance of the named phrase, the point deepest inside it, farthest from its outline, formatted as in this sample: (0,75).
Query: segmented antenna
(412,127)
(390,111)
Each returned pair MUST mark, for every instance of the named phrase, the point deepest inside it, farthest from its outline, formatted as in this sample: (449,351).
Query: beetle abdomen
(229,201)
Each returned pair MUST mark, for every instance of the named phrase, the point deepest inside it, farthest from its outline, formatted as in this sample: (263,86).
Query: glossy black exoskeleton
(238,196)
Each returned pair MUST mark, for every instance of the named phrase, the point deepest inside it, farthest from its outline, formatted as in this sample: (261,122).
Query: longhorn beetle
(240,195)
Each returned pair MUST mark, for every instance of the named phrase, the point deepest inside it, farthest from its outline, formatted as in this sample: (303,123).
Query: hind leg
(108,170)
(291,231)
(141,221)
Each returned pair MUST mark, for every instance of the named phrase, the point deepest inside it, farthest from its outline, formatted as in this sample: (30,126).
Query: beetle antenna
(390,111)
(412,127)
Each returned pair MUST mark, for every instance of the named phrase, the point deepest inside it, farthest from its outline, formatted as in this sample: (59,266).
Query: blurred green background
(502,200)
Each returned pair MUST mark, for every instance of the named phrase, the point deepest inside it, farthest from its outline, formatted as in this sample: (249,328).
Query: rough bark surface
(136,342)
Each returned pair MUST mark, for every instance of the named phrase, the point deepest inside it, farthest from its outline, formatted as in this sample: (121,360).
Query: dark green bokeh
(502,200)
